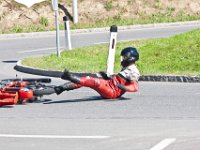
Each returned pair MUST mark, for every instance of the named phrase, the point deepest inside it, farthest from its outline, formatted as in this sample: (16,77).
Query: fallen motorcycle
(18,91)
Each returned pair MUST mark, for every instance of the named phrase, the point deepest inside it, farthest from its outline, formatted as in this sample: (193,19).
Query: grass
(44,21)
(43,24)
(117,20)
(108,5)
(177,55)
(143,19)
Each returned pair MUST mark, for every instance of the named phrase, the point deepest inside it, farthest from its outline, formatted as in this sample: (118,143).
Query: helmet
(128,56)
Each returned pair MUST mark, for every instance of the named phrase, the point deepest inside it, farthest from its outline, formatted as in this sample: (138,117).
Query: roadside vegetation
(16,18)
(155,18)
(43,24)
(177,55)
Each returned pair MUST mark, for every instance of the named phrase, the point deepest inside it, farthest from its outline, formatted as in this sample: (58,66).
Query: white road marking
(37,50)
(52,136)
(163,144)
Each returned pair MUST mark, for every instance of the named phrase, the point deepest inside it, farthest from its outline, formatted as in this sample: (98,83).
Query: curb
(152,78)
(139,26)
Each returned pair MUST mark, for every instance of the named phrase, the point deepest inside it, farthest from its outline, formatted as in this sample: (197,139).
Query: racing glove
(104,75)
(122,87)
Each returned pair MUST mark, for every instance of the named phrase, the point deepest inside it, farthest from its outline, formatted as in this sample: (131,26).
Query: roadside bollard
(55,8)
(67,32)
(111,51)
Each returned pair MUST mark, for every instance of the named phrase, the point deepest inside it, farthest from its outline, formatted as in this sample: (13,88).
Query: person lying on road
(108,87)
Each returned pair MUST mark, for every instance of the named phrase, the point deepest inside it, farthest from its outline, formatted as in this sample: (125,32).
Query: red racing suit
(124,81)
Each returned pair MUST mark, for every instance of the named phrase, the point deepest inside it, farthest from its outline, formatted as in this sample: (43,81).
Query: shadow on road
(9,61)
(7,106)
(95,98)
(41,101)
(76,100)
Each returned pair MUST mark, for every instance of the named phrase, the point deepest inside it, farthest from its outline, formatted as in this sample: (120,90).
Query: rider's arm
(132,87)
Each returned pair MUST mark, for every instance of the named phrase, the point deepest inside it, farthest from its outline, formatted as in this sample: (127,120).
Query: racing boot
(68,76)
(58,89)
(65,87)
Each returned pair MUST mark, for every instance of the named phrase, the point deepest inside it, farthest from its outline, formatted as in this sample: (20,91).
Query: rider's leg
(66,87)
(100,85)
(68,76)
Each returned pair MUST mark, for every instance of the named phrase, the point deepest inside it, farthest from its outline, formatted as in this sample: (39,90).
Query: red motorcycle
(13,91)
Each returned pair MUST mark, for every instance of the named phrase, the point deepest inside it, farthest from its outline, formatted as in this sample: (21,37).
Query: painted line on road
(163,144)
(37,50)
(52,136)
(127,40)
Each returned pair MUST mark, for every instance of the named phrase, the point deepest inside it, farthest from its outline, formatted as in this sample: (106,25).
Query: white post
(67,32)
(111,51)
(55,8)
(75,11)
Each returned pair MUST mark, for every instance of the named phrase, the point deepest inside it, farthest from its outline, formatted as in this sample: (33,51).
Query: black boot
(68,76)
(65,87)
(58,89)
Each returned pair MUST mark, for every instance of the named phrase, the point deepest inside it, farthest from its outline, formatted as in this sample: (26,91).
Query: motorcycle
(19,91)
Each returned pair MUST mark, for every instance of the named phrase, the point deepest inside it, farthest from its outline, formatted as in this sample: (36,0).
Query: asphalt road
(159,116)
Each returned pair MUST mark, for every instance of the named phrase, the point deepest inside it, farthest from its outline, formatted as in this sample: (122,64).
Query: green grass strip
(177,55)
